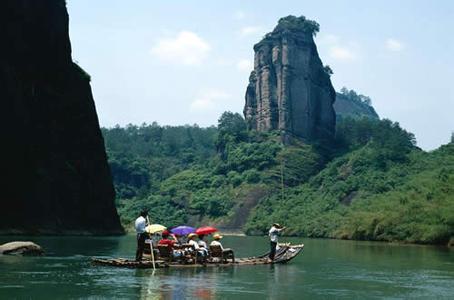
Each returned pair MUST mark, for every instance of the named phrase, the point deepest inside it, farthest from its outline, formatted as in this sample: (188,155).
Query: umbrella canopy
(154,228)
(205,230)
(182,230)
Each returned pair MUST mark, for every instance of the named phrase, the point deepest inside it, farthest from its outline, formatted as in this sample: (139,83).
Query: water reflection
(180,284)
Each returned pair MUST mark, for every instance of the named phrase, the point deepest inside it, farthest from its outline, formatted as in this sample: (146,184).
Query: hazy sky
(185,62)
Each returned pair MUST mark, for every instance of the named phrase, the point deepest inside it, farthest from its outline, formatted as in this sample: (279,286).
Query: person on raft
(202,244)
(170,243)
(140,225)
(199,250)
(273,234)
(226,251)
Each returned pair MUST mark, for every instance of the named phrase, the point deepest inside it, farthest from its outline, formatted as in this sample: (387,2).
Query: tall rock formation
(290,90)
(55,173)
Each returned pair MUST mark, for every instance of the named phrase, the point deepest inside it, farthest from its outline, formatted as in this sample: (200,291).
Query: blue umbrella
(182,230)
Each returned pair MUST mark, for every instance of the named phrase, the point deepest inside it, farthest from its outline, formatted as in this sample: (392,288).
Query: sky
(186,62)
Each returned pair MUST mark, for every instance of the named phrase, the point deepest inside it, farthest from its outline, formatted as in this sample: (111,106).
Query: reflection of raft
(284,254)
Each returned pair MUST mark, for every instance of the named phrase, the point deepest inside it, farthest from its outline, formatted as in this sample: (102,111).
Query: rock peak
(289,89)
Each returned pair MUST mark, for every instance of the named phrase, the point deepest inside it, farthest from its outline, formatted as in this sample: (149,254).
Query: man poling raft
(273,233)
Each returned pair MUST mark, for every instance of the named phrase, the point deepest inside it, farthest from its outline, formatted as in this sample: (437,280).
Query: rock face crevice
(289,89)
(53,156)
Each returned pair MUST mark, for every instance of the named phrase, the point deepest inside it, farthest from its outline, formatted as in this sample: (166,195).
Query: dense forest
(371,183)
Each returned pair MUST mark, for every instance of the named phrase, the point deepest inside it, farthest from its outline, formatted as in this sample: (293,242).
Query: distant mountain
(350,104)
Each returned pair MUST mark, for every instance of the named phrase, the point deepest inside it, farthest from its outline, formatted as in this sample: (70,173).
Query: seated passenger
(202,244)
(191,241)
(170,243)
(226,252)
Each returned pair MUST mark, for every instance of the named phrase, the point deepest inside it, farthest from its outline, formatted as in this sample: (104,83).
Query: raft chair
(164,253)
(217,252)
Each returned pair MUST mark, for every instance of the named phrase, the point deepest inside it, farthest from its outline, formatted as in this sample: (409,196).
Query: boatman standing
(140,225)
(273,234)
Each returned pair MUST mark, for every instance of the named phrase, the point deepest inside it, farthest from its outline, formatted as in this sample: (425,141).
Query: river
(325,269)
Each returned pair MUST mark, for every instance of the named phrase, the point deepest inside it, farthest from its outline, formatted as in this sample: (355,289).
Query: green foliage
(328,70)
(162,210)
(298,163)
(393,141)
(142,157)
(180,168)
(232,129)
(297,23)
(353,96)
(372,192)
(374,184)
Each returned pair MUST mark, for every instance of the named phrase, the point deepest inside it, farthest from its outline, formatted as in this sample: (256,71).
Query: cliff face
(53,157)
(289,89)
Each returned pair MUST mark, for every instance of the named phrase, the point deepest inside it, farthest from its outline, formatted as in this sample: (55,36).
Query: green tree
(231,129)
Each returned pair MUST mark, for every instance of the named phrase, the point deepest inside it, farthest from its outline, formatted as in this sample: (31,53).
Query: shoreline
(449,245)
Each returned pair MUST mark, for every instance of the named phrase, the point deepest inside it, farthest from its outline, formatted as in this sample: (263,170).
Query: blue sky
(185,62)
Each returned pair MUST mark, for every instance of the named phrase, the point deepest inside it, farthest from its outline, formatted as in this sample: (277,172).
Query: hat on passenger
(191,235)
(277,225)
(217,236)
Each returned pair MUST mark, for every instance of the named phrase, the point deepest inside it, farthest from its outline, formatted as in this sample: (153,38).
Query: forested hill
(351,104)
(373,183)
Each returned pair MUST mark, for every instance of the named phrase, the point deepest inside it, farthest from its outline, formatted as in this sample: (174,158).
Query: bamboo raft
(284,254)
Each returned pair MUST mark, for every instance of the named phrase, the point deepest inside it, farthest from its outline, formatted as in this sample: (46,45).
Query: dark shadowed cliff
(53,160)
(290,90)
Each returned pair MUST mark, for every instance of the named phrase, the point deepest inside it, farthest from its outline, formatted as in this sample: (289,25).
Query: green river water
(325,269)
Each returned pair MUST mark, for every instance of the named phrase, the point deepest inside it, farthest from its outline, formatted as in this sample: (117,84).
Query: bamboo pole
(151,247)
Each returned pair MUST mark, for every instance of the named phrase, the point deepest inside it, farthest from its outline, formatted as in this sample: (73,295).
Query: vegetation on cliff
(299,24)
(374,184)
(384,189)
(351,104)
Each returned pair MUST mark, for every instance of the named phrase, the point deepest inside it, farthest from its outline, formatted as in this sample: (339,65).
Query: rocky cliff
(56,177)
(290,90)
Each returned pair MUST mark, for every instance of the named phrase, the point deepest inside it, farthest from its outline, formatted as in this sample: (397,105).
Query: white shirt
(273,233)
(216,243)
(194,244)
(140,224)
(202,244)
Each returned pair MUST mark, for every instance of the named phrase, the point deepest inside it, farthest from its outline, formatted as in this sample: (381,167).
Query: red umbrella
(205,230)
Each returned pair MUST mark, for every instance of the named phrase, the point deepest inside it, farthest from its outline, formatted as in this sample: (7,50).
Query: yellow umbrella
(154,228)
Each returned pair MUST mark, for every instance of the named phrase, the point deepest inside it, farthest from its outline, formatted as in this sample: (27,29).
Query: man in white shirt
(273,233)
(199,250)
(202,242)
(140,225)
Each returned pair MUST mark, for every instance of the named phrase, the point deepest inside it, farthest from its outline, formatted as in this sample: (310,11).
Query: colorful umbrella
(205,230)
(154,228)
(182,230)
